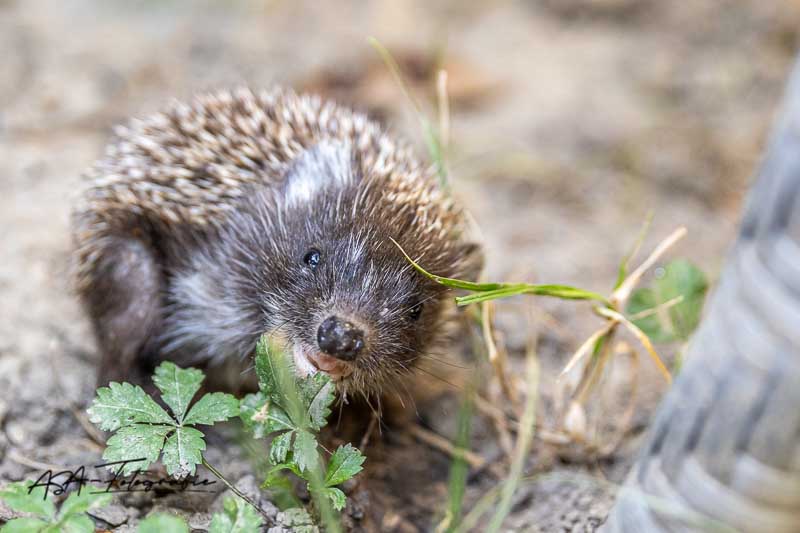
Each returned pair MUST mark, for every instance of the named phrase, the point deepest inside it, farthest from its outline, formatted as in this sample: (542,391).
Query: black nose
(340,338)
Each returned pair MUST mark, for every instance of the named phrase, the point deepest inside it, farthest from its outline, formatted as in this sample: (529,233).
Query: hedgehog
(243,213)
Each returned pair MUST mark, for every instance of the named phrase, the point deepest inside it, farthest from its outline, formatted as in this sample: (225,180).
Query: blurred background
(570,120)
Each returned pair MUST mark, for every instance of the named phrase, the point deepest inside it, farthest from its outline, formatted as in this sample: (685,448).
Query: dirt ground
(570,121)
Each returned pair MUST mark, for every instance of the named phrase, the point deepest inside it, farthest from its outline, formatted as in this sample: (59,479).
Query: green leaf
(211,408)
(272,477)
(178,386)
(304,451)
(318,392)
(237,517)
(76,504)
(17,498)
(274,371)
(163,523)
(262,417)
(183,452)
(24,525)
(122,404)
(139,441)
(680,279)
(345,463)
(280,447)
(336,496)
(683,279)
(76,523)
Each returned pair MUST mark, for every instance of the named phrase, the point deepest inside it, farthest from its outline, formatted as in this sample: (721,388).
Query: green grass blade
(436,151)
(493,291)
(397,74)
(431,134)
(459,468)
(564,292)
(524,440)
(450,282)
(622,273)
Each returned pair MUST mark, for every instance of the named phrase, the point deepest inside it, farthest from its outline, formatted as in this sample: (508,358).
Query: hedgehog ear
(324,166)
(471,264)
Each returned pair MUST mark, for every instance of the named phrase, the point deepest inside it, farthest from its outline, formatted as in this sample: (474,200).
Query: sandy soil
(571,120)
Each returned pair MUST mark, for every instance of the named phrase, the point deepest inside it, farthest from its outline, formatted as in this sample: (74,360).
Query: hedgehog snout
(340,338)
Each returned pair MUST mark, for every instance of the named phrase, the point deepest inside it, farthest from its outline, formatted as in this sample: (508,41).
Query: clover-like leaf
(183,452)
(236,517)
(212,408)
(19,497)
(304,451)
(130,443)
(122,404)
(280,447)
(345,463)
(163,523)
(178,386)
(336,497)
(679,279)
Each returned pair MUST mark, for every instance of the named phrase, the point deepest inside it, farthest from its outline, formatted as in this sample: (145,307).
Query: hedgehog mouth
(308,362)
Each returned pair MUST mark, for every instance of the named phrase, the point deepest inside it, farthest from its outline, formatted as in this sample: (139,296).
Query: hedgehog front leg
(122,298)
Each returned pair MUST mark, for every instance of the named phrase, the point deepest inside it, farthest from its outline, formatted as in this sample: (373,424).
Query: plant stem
(236,491)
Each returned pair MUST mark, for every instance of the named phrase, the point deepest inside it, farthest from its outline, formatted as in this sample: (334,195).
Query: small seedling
(163,523)
(669,310)
(144,430)
(292,410)
(70,517)
(236,517)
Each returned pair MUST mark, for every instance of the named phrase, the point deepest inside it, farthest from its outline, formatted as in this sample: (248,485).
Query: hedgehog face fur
(312,263)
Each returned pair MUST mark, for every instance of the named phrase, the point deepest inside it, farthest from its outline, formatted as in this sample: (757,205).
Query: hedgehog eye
(415,312)
(312,258)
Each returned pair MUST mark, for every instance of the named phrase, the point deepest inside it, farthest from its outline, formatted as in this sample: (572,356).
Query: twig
(627,415)
(622,293)
(236,491)
(370,429)
(443,445)
(20,459)
(95,435)
(592,371)
(542,433)
(584,348)
(639,334)
(657,309)
(496,357)
(500,422)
